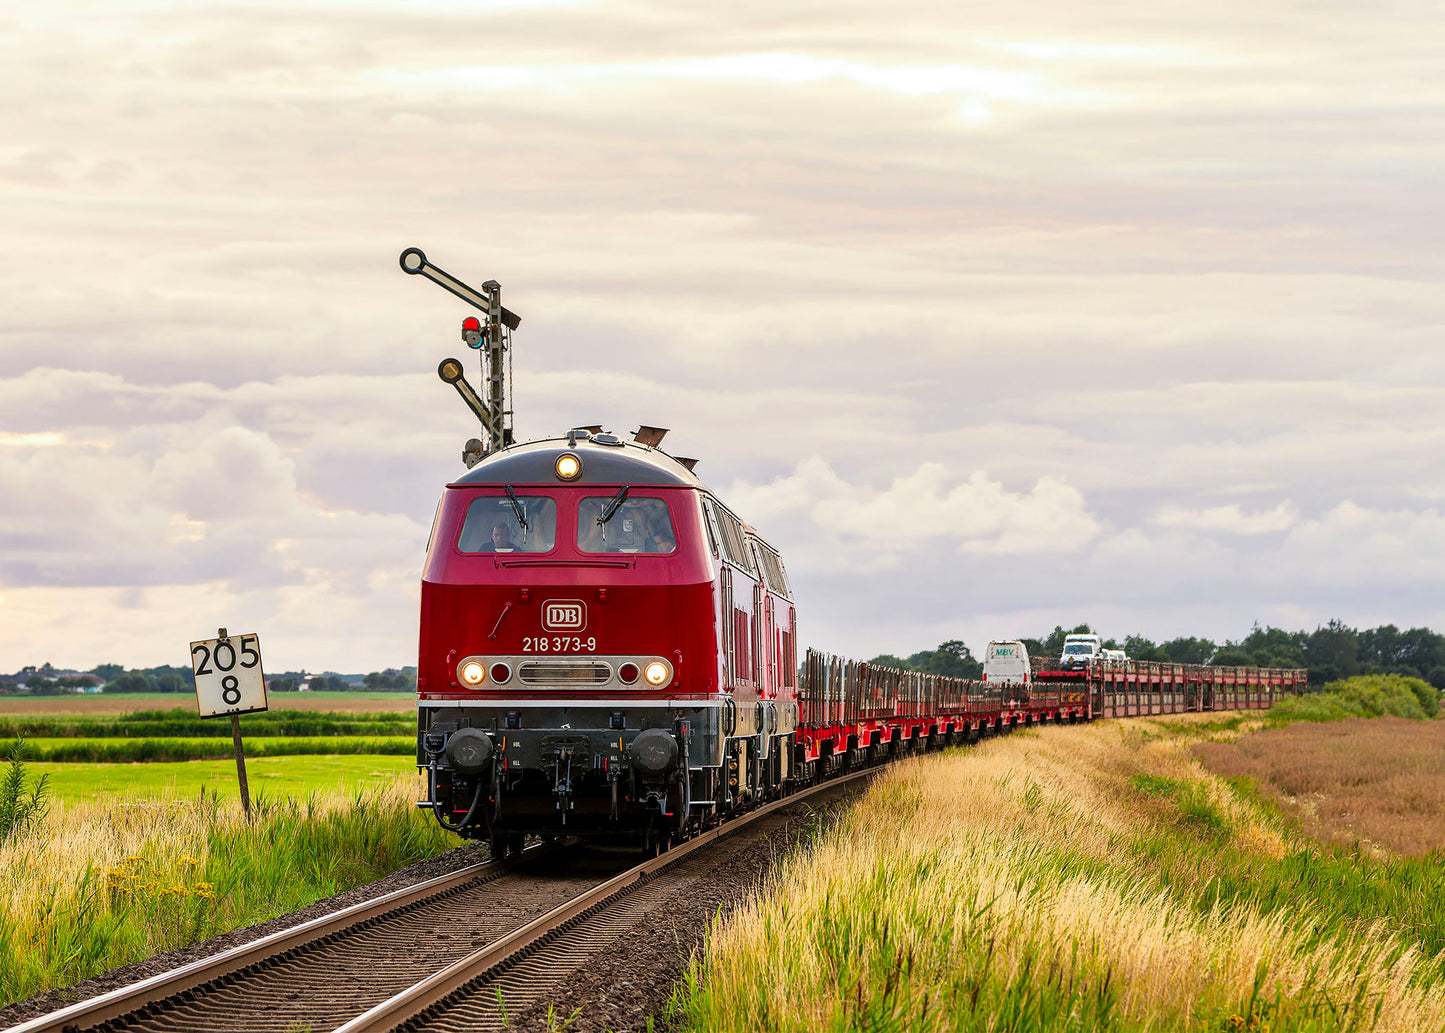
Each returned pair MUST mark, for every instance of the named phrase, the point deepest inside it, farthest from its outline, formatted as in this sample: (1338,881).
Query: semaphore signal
(491,338)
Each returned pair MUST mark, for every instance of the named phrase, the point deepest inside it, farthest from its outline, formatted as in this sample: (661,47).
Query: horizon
(1110,641)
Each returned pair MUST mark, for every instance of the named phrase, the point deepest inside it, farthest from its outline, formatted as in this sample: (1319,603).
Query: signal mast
(491,337)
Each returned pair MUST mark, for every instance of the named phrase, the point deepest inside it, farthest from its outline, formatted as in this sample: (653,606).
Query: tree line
(390,680)
(1331,651)
(46,680)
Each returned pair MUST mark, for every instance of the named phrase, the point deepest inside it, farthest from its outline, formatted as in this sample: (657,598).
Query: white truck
(1006,662)
(1079,650)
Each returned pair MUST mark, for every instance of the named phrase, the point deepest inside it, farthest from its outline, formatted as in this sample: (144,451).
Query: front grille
(564,672)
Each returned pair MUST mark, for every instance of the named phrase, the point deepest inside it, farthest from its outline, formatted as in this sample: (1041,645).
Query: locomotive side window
(638,525)
(710,520)
(771,565)
(735,545)
(786,589)
(523,523)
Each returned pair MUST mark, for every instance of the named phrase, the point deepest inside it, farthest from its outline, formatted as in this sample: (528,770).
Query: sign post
(229,681)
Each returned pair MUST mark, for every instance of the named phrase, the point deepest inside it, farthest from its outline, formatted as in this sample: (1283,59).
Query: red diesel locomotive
(605,648)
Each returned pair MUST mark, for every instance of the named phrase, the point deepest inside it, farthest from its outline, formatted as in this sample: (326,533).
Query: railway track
(437,956)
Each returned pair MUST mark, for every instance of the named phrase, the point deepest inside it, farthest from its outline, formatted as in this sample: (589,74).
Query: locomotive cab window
(634,525)
(524,523)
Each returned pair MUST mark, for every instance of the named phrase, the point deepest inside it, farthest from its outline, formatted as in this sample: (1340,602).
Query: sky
(990,316)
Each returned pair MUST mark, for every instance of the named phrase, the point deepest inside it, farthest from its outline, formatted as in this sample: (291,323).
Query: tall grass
(23,796)
(1092,878)
(96,887)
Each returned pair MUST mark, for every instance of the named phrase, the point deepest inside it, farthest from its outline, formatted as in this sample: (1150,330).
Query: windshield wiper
(516,507)
(610,510)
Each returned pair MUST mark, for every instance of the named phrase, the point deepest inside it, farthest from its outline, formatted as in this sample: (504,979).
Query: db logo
(564,615)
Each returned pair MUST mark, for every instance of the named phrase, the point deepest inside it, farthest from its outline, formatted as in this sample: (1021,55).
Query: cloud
(181,502)
(1400,551)
(929,508)
(1230,519)
(1116,278)
(978,84)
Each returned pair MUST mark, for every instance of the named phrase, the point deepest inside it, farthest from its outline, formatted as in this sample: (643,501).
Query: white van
(1079,650)
(1007,663)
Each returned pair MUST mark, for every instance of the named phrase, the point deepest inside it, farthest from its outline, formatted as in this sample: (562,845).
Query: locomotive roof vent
(649,436)
(607,439)
(577,434)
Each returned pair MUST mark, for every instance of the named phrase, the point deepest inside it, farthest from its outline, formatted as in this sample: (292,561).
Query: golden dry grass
(1380,782)
(1031,883)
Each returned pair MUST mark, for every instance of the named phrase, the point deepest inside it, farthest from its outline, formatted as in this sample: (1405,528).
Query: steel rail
(134,997)
(436,988)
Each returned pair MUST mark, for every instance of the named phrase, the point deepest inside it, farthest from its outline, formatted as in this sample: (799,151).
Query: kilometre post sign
(228,675)
(229,683)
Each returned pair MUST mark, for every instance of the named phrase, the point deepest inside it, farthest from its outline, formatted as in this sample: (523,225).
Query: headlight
(568,466)
(657,674)
(472,674)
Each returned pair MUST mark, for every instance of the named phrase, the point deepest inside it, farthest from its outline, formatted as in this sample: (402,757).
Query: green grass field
(180,723)
(274,776)
(123,702)
(164,750)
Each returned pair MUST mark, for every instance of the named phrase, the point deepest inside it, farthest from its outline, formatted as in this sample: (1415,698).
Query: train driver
(502,536)
(661,539)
